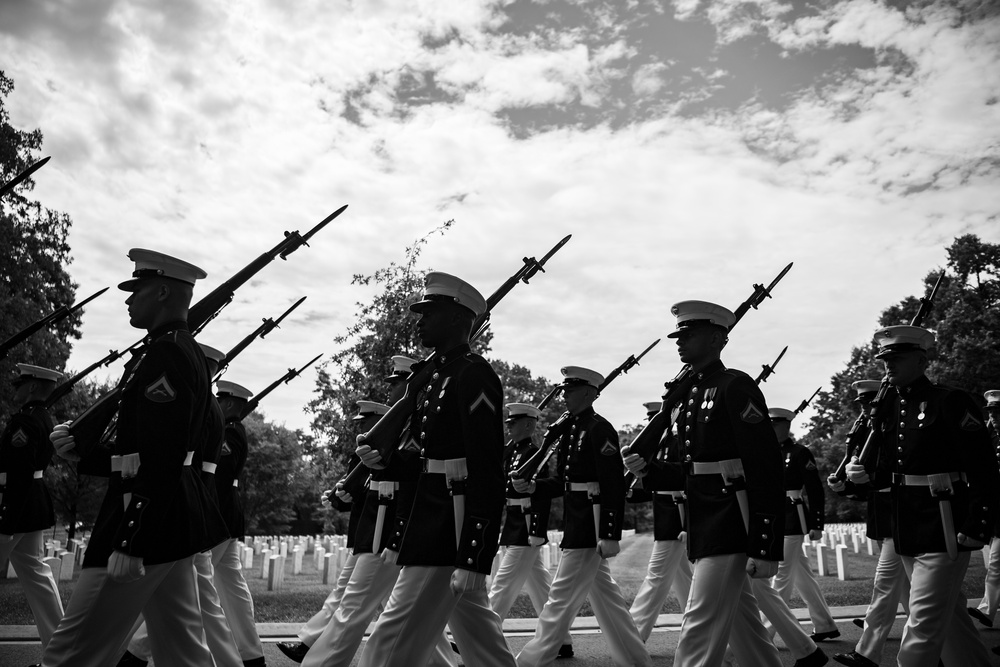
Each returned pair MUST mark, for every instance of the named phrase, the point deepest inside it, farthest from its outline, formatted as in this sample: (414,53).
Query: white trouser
(25,552)
(521,567)
(669,571)
(314,627)
(217,633)
(722,609)
(782,620)
(991,598)
(101,613)
(890,588)
(794,572)
(420,606)
(369,587)
(937,608)
(234,594)
(582,573)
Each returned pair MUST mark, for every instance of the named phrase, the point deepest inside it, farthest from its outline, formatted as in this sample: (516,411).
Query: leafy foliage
(275,476)
(34,254)
(966,320)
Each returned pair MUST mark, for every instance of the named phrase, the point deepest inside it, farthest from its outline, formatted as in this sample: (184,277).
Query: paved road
(21,648)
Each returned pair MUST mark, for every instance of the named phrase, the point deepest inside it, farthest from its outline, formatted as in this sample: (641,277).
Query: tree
(274,477)
(382,328)
(34,254)
(966,321)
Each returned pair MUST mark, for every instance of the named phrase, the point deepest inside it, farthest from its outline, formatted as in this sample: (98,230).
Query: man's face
(904,368)
(144,304)
(366,424)
(781,428)
(521,428)
(694,345)
(435,323)
(579,397)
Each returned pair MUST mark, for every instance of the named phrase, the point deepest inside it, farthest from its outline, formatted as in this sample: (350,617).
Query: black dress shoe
(131,660)
(981,617)
(815,659)
(295,651)
(860,622)
(454,647)
(854,659)
(565,651)
(255,662)
(823,636)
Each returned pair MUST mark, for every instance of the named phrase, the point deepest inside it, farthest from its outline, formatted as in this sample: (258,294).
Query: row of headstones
(329,552)
(840,537)
(61,561)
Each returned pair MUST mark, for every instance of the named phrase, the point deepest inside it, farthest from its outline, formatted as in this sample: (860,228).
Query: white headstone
(842,562)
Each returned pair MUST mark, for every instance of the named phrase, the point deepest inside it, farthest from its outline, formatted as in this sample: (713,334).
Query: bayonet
(284,379)
(767,371)
(60,313)
(267,326)
(759,294)
(626,366)
(805,404)
(9,185)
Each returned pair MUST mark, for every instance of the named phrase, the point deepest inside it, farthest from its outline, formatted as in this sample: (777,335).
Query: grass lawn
(304,594)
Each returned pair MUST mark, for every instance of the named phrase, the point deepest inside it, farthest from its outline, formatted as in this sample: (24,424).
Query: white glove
(523,485)
(758,568)
(608,548)
(324,498)
(836,485)
(124,568)
(5,538)
(635,464)
(388,556)
(64,442)
(856,472)
(815,535)
(683,536)
(534,541)
(464,581)
(370,457)
(341,493)
(972,542)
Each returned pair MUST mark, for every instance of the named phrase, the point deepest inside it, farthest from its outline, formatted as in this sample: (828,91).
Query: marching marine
(931,444)
(730,467)
(986,612)
(25,504)
(803,518)
(590,477)
(150,525)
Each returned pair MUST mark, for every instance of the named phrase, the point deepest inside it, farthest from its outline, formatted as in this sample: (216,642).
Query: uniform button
(690,402)
(435,376)
(687,459)
(124,543)
(479,526)
(899,462)
(767,521)
(687,442)
(899,449)
(902,401)
(902,413)
(473,543)
(763,553)
(763,536)
(687,414)
(426,403)
(469,561)
(423,452)
(725,490)
(694,390)
(900,436)
(424,419)
(423,435)
(131,523)
(138,504)
(397,534)
(902,424)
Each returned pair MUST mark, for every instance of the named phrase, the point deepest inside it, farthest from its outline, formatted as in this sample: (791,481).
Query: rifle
(67,386)
(855,439)
(210,306)
(767,371)
(268,325)
(89,427)
(9,185)
(384,435)
(626,366)
(286,378)
(538,460)
(805,404)
(647,442)
(60,313)
(926,304)
(525,273)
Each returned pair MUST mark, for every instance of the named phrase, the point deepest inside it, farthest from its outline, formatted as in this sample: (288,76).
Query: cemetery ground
(280,612)
(301,595)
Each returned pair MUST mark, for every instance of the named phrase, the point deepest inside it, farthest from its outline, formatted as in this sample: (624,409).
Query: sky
(692,148)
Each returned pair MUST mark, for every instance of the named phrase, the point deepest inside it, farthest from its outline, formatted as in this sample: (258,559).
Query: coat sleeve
(815,491)
(481,412)
(979,464)
(167,411)
(762,466)
(611,475)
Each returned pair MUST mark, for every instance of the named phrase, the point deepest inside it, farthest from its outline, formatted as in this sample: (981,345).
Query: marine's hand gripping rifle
(647,442)
(383,437)
(89,427)
(529,469)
